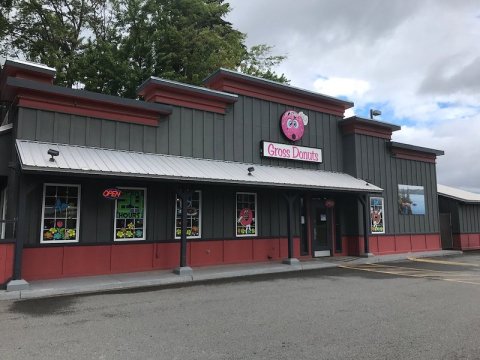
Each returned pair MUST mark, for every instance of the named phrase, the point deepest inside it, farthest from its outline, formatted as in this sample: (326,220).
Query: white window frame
(199,217)
(144,216)
(236,213)
(3,205)
(77,230)
(383,214)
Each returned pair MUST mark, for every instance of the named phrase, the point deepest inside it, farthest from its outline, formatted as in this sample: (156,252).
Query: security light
(374,112)
(53,153)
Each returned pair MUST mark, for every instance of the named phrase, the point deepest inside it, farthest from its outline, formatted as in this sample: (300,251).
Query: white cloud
(416,60)
(337,86)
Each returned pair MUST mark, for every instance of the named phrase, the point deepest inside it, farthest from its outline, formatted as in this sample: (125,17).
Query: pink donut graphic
(245,217)
(293,124)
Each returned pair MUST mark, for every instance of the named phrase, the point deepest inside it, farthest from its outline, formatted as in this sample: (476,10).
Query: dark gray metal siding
(469,218)
(234,136)
(96,213)
(5,151)
(375,164)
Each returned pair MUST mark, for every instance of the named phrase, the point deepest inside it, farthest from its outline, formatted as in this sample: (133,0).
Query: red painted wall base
(6,262)
(394,244)
(69,261)
(466,241)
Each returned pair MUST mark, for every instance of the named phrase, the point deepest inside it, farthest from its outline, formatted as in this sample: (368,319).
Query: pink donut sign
(293,124)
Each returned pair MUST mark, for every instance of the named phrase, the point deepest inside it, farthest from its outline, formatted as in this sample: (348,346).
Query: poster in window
(411,200)
(60,213)
(246,221)
(130,215)
(193,208)
(377,225)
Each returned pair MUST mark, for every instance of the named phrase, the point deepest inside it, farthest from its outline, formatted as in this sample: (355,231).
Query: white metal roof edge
(195,179)
(458,194)
(287,182)
(184,157)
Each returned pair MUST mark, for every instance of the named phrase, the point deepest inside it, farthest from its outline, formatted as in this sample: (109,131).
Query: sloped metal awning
(74,159)
(458,194)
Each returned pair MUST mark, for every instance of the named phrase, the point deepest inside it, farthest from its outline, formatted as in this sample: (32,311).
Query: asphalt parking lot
(416,309)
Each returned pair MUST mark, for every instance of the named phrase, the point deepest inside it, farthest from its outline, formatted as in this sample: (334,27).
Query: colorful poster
(246,222)
(130,214)
(377,225)
(411,200)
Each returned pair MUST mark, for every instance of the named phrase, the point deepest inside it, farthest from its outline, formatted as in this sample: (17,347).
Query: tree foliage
(111,46)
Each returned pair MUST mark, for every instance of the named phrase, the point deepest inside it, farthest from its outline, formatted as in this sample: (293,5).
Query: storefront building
(460,218)
(95,184)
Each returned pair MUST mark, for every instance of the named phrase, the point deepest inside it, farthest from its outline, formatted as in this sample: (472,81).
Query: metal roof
(98,161)
(458,194)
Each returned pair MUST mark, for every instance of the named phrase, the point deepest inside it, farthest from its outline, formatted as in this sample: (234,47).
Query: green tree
(112,46)
(52,32)
(259,61)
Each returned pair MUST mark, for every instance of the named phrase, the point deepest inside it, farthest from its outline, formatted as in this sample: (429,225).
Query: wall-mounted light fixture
(250,170)
(53,153)
(374,112)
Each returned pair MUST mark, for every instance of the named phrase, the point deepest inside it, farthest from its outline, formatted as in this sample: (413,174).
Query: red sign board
(112,194)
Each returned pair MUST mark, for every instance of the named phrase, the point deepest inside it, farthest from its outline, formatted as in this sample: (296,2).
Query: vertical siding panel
(45,126)
(248,130)
(326,142)
(256,131)
(336,147)
(122,136)
(218,213)
(107,138)
(186,130)
(198,140)
(265,124)
(238,136)
(229,214)
(27,125)
(208,142)
(175,132)
(218,137)
(78,129)
(136,138)
(94,132)
(61,132)
(229,132)
(162,143)
(149,134)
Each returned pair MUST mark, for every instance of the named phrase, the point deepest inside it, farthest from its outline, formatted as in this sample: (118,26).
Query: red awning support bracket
(290,198)
(184,269)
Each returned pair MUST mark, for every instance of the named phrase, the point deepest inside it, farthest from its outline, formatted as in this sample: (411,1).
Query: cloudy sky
(418,61)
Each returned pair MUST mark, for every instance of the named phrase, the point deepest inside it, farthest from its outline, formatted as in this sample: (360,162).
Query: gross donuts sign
(293,124)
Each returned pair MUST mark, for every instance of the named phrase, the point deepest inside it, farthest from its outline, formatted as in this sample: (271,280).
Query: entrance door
(321,229)
(446,231)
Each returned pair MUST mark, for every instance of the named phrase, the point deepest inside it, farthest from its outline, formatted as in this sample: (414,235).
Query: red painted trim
(6,262)
(186,97)
(413,155)
(68,261)
(85,107)
(243,87)
(466,241)
(370,130)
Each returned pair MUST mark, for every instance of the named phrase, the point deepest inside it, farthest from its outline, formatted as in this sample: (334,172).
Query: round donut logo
(293,124)
(246,217)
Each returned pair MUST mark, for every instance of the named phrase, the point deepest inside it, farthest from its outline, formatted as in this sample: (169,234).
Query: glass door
(321,228)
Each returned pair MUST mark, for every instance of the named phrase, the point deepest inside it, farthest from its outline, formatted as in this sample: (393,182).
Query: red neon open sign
(112,194)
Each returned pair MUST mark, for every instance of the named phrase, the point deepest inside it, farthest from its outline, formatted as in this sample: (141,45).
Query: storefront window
(246,214)
(377,225)
(194,216)
(130,212)
(60,213)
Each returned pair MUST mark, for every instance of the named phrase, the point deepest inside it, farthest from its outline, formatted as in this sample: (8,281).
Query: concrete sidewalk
(95,284)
